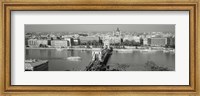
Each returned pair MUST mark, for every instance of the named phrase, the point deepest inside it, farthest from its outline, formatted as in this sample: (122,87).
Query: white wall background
(178,77)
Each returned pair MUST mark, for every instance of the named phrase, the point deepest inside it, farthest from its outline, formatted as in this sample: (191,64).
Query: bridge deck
(98,65)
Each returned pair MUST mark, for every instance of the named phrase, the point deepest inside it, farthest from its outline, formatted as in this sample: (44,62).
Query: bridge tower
(96,55)
(106,44)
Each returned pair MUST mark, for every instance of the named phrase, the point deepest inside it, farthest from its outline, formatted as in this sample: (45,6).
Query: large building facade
(60,43)
(38,43)
(158,41)
(32,43)
(145,41)
(42,42)
(115,40)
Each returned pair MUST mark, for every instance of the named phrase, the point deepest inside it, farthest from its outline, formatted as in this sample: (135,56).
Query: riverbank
(67,48)
(98,49)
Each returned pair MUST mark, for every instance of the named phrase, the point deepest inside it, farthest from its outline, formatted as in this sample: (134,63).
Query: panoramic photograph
(99,47)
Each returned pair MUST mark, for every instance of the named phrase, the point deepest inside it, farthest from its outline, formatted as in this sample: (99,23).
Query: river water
(131,61)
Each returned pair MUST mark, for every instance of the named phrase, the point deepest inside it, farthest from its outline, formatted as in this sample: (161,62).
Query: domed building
(117,33)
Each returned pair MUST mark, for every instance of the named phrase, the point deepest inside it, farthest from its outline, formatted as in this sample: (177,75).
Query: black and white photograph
(99,47)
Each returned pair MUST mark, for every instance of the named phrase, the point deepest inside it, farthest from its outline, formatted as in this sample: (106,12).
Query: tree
(133,43)
(94,42)
(89,43)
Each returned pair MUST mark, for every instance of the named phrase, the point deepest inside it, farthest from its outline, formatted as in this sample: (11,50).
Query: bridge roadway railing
(94,64)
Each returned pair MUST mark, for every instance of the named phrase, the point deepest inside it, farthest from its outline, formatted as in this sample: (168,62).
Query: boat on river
(124,50)
(74,58)
(147,50)
(166,51)
(169,51)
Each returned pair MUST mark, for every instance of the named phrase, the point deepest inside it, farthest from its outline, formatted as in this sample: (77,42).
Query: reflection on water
(131,61)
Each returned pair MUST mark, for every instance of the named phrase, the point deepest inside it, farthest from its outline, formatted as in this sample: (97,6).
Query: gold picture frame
(122,5)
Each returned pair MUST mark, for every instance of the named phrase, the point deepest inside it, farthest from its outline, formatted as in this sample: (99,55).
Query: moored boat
(75,58)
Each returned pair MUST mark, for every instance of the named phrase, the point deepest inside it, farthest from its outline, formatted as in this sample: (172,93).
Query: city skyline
(140,28)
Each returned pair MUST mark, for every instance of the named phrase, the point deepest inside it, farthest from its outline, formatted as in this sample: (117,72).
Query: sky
(99,27)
